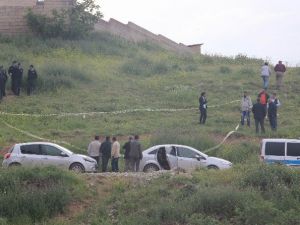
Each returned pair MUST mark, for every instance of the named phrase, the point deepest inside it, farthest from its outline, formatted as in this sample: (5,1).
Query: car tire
(14,165)
(150,168)
(212,167)
(77,167)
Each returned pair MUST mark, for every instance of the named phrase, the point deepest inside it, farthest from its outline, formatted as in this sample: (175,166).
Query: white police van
(281,151)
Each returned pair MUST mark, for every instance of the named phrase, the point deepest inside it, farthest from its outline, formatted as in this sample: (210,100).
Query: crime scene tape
(225,138)
(37,137)
(112,112)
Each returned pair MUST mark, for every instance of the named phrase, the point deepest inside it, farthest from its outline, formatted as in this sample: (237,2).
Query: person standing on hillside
(246,106)
(203,107)
(3,79)
(264,98)
(265,74)
(105,151)
(19,79)
(115,155)
(31,79)
(13,72)
(94,149)
(272,114)
(276,100)
(279,70)
(259,113)
(135,154)
(126,148)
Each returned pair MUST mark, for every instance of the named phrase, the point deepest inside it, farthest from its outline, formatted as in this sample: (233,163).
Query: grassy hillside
(107,74)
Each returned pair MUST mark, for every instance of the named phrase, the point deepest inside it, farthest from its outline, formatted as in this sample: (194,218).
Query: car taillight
(7,155)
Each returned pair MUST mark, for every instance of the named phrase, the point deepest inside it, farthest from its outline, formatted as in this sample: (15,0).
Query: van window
(293,149)
(275,148)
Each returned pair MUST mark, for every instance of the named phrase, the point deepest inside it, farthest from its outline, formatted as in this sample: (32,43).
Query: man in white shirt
(94,149)
(115,155)
(265,74)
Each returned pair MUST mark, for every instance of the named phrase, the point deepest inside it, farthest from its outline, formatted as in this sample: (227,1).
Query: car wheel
(77,167)
(14,164)
(150,168)
(212,167)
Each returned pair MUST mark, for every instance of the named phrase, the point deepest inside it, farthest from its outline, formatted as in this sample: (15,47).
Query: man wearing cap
(279,70)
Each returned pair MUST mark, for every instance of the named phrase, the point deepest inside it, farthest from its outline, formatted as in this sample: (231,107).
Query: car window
(50,150)
(153,152)
(30,149)
(275,148)
(293,149)
(185,152)
(173,151)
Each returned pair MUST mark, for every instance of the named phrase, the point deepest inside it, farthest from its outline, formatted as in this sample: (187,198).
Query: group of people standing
(266,73)
(15,71)
(265,107)
(107,150)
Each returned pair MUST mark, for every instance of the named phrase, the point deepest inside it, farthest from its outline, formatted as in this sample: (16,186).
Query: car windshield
(66,150)
(203,154)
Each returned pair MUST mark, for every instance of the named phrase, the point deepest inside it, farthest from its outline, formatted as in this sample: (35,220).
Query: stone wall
(133,32)
(12,22)
(12,12)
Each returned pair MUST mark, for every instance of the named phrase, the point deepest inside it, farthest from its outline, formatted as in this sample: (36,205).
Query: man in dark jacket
(259,113)
(13,72)
(135,154)
(279,70)
(272,114)
(203,108)
(31,79)
(19,79)
(105,150)
(3,79)
(126,148)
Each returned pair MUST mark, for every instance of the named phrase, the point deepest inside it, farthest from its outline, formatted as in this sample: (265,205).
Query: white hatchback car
(48,154)
(166,157)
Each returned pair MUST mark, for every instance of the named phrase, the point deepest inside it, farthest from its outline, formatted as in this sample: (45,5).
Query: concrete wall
(133,32)
(12,12)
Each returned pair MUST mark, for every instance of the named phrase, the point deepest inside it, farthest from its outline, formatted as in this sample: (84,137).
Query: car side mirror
(62,154)
(199,157)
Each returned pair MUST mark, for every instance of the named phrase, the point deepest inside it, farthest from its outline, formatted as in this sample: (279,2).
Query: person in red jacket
(279,70)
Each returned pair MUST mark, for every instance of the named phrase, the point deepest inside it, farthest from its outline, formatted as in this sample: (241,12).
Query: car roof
(167,145)
(280,140)
(36,143)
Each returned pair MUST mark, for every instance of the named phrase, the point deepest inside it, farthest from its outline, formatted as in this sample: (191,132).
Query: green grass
(106,74)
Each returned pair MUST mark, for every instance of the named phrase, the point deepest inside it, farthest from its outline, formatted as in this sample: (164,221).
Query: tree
(75,22)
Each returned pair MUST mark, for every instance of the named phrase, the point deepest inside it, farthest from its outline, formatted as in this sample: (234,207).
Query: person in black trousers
(31,80)
(105,150)
(13,71)
(259,113)
(203,108)
(272,114)
(3,79)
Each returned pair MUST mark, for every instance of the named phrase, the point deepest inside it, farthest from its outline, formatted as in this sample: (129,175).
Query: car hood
(219,160)
(84,156)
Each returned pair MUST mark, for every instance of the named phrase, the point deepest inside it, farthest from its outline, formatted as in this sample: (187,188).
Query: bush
(35,193)
(225,70)
(269,177)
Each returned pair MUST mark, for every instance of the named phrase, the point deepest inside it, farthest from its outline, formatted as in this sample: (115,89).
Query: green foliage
(35,194)
(225,70)
(72,23)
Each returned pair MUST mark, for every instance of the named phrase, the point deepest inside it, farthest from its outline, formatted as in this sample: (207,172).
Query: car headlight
(89,160)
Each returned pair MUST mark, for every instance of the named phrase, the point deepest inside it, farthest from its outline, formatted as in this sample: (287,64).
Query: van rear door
(293,153)
(275,152)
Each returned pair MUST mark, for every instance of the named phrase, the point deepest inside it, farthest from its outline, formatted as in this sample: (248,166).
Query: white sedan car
(166,157)
(48,154)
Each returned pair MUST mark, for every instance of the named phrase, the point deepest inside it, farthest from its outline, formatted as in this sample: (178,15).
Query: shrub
(35,193)
(225,70)
(269,177)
